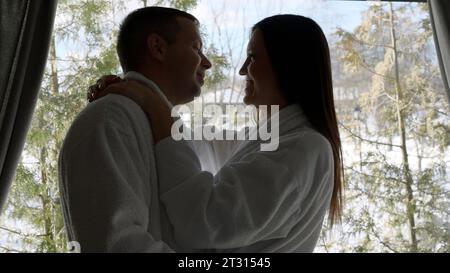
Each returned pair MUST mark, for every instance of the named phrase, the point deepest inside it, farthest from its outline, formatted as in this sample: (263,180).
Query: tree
(393,193)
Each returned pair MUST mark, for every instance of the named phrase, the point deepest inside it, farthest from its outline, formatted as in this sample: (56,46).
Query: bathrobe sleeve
(256,198)
(213,154)
(104,184)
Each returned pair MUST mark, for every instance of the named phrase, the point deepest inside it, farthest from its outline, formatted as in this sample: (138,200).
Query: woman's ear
(156,46)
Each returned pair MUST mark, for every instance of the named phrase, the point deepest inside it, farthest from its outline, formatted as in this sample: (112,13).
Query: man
(113,205)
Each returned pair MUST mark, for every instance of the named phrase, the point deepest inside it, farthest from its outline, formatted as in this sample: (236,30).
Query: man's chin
(190,98)
(197,91)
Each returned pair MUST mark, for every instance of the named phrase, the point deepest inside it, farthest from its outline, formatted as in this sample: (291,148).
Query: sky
(232,19)
(223,20)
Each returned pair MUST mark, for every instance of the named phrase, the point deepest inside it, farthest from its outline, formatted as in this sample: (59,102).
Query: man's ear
(156,46)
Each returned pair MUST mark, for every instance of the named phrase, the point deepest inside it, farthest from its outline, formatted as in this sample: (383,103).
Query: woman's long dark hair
(300,57)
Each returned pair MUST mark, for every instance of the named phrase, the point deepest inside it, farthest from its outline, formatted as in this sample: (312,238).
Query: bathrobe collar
(133,75)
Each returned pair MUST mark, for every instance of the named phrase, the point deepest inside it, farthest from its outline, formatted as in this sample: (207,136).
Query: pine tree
(397,197)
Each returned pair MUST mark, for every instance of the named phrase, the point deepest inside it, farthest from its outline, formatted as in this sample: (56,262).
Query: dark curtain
(25,32)
(440,20)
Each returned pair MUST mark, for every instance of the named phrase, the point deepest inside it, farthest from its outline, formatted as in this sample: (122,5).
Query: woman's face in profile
(261,85)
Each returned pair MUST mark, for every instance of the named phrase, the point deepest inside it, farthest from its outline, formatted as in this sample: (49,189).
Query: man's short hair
(135,28)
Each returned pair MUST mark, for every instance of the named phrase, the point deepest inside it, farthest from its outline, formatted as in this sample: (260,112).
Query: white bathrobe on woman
(257,201)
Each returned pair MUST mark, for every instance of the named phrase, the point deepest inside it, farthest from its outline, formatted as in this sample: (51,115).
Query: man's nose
(206,63)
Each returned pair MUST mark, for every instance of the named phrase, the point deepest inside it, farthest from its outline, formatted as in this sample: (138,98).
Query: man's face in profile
(186,62)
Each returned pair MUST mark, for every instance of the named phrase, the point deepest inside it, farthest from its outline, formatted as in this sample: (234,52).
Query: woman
(259,201)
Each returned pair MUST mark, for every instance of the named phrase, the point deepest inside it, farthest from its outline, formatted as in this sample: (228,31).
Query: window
(391,104)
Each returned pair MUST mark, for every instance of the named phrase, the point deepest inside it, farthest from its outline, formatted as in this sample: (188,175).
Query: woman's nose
(243,70)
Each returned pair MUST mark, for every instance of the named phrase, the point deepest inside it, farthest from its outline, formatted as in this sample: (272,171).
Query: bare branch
(390,97)
(22,234)
(374,176)
(11,250)
(366,66)
(367,140)
(381,241)
(361,42)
